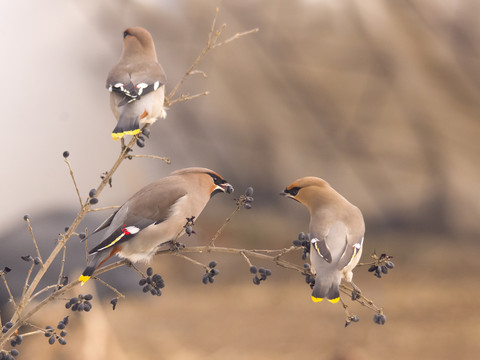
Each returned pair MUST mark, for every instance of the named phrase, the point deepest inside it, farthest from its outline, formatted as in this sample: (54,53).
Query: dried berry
(93,201)
(212,264)
(249,191)
(389,264)
(114,303)
(51,340)
(62,341)
(14,352)
(66,154)
(81,236)
(146,132)
(205,279)
(149,271)
(92,192)
(253,269)
(26,217)
(140,143)
(256,280)
(37,261)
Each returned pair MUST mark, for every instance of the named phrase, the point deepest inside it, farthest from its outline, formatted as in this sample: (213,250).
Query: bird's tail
(326,288)
(97,261)
(126,125)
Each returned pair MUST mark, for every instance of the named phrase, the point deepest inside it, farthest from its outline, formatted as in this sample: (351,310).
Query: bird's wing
(354,244)
(135,80)
(318,241)
(150,206)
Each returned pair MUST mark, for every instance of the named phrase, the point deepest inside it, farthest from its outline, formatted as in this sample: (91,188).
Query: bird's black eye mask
(217,180)
(293,191)
(125,34)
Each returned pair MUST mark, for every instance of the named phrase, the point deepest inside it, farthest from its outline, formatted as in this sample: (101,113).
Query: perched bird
(336,235)
(155,215)
(137,84)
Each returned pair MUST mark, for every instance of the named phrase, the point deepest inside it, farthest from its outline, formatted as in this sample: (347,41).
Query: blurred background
(379,98)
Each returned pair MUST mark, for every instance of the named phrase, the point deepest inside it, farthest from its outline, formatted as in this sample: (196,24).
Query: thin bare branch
(12,300)
(119,294)
(212,39)
(184,97)
(163,158)
(62,267)
(227,220)
(236,36)
(25,287)
(74,182)
(193,261)
(30,230)
(46,288)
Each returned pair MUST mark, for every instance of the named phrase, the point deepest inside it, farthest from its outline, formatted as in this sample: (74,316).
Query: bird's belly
(142,247)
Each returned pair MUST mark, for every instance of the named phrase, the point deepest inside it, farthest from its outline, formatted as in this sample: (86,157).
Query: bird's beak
(226,187)
(283,193)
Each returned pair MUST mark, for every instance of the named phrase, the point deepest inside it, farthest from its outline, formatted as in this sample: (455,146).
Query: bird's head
(137,39)
(307,190)
(208,179)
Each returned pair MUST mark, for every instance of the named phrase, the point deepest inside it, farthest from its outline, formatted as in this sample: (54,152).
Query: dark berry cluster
(17,340)
(80,303)
(381,266)
(309,277)
(248,198)
(141,138)
(379,319)
(7,327)
(93,200)
(350,319)
(152,283)
(52,334)
(210,273)
(260,275)
(29,258)
(189,226)
(4,355)
(303,241)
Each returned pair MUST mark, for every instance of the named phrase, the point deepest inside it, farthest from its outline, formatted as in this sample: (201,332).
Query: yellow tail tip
(132,132)
(316,300)
(83,279)
(334,301)
(119,135)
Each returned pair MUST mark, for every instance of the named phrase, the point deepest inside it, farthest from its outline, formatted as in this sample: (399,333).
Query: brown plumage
(336,234)
(155,215)
(137,84)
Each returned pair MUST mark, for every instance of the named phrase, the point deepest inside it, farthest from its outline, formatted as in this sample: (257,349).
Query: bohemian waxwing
(155,215)
(137,84)
(336,234)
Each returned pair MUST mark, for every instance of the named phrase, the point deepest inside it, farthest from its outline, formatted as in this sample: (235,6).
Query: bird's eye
(126,33)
